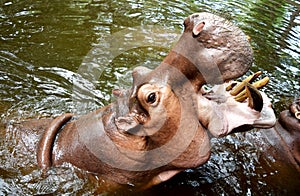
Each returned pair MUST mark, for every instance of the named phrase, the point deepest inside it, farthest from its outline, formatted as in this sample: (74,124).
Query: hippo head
(168,122)
(211,50)
(290,121)
(222,47)
(161,112)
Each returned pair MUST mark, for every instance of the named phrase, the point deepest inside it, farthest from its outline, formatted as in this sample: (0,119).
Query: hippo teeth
(255,100)
(297,115)
(295,110)
(238,88)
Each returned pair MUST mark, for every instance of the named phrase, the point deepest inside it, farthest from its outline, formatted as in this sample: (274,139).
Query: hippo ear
(198,27)
(138,74)
(120,93)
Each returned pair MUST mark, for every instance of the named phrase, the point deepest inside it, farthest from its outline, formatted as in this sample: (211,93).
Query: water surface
(44,46)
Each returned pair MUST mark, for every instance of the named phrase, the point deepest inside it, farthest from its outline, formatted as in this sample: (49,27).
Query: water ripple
(43,43)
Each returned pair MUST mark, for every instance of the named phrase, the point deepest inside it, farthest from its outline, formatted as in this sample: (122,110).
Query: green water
(44,46)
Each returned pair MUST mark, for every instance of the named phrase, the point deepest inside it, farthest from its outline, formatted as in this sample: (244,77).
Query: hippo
(163,124)
(287,133)
(282,151)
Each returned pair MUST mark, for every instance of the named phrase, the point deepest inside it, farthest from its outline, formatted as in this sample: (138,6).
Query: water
(45,45)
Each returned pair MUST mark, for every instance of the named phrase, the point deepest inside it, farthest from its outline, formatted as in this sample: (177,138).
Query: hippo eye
(151,98)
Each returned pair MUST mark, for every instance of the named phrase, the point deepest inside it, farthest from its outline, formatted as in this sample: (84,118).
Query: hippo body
(280,157)
(72,148)
(282,150)
(97,138)
(288,133)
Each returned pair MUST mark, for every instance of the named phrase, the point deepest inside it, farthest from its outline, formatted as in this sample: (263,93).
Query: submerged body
(280,153)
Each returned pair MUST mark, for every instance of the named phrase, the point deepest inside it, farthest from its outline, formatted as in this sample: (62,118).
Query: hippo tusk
(259,84)
(241,86)
(231,85)
(244,90)
(297,115)
(242,95)
(255,99)
(295,109)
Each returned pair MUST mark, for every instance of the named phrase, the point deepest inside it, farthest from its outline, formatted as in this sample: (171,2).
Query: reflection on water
(43,44)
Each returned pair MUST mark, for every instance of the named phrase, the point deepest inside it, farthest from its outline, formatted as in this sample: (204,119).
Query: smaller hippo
(281,154)
(288,130)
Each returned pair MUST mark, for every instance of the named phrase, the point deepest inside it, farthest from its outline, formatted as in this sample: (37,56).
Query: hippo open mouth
(211,51)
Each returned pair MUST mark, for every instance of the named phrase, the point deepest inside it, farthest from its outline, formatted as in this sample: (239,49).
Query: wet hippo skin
(155,130)
(283,153)
(278,138)
(288,128)
(97,142)
(158,128)
(275,164)
(211,50)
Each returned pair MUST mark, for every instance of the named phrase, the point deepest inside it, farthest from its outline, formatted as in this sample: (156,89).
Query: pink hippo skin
(159,127)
